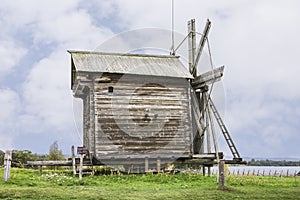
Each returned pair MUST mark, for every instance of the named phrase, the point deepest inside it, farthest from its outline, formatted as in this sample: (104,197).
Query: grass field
(29,184)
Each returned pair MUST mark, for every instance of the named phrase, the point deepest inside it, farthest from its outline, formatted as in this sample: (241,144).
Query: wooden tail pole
(7,164)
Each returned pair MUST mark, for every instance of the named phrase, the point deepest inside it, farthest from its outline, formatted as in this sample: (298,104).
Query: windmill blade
(207,78)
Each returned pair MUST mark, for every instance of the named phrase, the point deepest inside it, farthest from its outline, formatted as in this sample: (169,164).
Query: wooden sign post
(222,174)
(73,161)
(7,164)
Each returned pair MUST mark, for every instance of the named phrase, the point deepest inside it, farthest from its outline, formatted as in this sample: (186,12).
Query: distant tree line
(267,162)
(20,157)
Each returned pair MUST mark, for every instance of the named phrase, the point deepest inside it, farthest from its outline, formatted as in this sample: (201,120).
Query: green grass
(29,184)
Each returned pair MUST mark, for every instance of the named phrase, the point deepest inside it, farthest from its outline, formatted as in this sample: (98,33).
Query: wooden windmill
(148,110)
(203,107)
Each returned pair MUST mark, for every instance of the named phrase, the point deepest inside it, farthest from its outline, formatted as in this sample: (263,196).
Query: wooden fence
(253,172)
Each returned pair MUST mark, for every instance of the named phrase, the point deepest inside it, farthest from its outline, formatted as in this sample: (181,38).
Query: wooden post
(221,174)
(203,170)
(7,164)
(208,171)
(192,46)
(158,165)
(41,169)
(146,165)
(80,166)
(73,161)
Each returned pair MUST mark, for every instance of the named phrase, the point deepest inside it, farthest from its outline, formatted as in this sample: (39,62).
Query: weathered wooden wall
(142,116)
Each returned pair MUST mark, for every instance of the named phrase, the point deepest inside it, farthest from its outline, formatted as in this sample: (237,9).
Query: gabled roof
(140,64)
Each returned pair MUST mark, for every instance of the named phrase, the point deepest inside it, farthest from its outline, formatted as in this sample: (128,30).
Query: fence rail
(257,172)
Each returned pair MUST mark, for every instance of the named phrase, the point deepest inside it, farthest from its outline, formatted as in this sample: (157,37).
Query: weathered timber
(50,163)
(7,164)
(141,114)
(208,78)
(81,166)
(221,174)
(58,162)
(73,161)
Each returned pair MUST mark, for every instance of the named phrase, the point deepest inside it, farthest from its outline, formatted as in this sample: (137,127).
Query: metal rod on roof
(173,36)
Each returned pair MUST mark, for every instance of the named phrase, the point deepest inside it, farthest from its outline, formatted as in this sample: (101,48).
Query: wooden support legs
(41,169)
(158,165)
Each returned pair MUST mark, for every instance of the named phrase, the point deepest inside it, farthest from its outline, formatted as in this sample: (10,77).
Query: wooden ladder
(224,130)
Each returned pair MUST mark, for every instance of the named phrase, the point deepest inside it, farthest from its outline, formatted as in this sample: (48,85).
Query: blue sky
(257,41)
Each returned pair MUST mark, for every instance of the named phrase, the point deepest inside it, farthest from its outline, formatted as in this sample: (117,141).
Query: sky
(257,41)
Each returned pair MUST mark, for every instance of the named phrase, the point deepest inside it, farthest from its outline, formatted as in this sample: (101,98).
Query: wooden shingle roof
(140,64)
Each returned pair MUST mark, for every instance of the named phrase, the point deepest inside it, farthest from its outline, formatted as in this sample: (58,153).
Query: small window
(110,89)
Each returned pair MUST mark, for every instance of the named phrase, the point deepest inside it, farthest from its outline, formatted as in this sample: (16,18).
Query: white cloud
(100,10)
(22,13)
(10,105)
(10,54)
(5,142)
(47,91)
(10,108)
(70,27)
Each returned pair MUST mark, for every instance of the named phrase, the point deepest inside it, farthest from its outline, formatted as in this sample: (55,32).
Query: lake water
(260,170)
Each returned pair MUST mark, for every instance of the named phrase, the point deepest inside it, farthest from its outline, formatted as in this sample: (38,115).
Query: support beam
(208,170)
(213,133)
(158,165)
(192,46)
(41,169)
(202,42)
(208,78)
(203,170)
(208,136)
